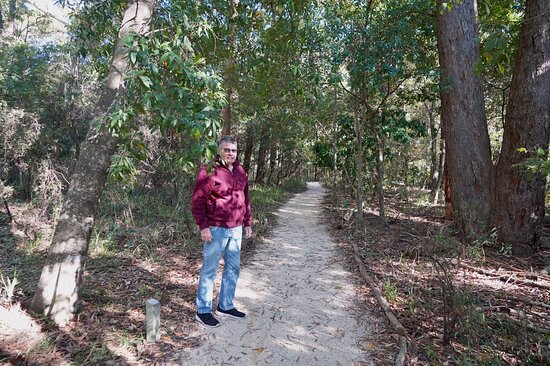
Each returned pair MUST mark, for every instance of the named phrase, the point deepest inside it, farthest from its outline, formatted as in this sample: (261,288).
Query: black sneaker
(234,313)
(207,319)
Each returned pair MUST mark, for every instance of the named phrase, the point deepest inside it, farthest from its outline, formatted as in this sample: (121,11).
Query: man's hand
(206,235)
(247,232)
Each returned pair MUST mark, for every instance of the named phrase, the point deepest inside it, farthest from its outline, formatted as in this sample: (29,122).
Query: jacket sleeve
(199,199)
(248,211)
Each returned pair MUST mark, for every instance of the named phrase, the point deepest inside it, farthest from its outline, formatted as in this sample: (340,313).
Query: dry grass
(142,247)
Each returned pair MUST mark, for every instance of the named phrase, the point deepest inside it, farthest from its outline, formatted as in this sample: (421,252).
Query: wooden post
(152,314)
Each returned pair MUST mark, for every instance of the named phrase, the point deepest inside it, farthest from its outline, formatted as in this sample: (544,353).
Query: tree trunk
(262,156)
(519,201)
(359,220)
(434,172)
(249,146)
(440,169)
(380,146)
(226,113)
(272,163)
(448,192)
(11,10)
(335,152)
(463,117)
(57,293)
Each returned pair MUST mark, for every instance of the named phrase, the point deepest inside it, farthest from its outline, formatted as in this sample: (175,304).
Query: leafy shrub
(293,185)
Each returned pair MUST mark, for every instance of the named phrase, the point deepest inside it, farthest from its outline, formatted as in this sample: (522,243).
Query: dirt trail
(298,297)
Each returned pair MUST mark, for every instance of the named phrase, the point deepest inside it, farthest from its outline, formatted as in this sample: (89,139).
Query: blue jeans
(227,242)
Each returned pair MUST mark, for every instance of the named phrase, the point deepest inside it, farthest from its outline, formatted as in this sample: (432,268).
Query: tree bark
(440,169)
(434,172)
(463,117)
(57,293)
(260,166)
(12,8)
(380,146)
(249,146)
(519,201)
(448,192)
(272,163)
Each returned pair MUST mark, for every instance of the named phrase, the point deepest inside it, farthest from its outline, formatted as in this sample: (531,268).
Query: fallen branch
(395,323)
(523,322)
(526,301)
(400,360)
(504,277)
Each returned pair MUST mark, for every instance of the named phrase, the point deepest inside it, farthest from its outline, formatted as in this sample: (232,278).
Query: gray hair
(227,139)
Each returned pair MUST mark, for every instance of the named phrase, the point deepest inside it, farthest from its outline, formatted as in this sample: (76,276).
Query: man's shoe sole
(204,324)
(219,313)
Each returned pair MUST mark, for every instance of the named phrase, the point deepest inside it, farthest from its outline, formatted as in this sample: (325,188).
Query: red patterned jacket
(221,198)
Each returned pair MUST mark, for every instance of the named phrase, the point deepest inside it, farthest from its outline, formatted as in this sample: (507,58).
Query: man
(221,207)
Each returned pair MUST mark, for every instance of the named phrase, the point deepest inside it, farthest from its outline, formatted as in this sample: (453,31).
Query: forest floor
(489,307)
(461,304)
(142,248)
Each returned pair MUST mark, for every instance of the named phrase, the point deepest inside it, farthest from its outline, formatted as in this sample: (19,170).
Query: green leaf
(187,44)
(146,81)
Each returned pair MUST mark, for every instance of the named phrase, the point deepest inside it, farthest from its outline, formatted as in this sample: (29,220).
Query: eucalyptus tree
(505,196)
(155,76)
(520,200)
(57,291)
(463,116)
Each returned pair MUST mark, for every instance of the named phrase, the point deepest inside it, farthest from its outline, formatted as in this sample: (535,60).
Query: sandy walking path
(298,297)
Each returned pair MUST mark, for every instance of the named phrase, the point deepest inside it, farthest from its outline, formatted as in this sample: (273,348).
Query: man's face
(228,152)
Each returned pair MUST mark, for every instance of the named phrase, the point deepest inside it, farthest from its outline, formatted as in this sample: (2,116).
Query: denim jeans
(226,241)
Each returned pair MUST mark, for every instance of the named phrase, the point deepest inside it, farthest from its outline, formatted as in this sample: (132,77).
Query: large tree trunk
(57,293)
(463,117)
(519,201)
(448,193)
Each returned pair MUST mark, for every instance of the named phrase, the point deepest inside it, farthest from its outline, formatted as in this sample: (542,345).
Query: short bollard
(152,313)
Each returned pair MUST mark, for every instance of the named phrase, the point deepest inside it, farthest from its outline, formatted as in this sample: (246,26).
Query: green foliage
(323,153)
(294,185)
(8,287)
(390,290)
(265,195)
(500,23)
(535,162)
